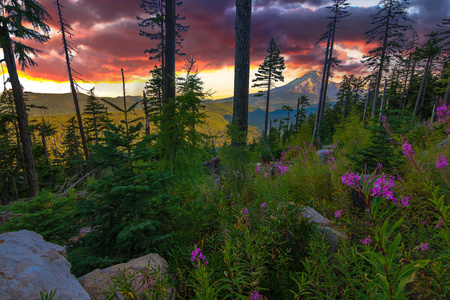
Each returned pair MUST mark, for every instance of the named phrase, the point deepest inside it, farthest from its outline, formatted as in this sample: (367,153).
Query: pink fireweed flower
(382,188)
(263,207)
(441,162)
(282,169)
(244,212)
(338,214)
(266,175)
(443,112)
(258,169)
(256,295)
(423,246)
(407,150)
(366,241)
(405,201)
(439,223)
(379,166)
(198,257)
(351,179)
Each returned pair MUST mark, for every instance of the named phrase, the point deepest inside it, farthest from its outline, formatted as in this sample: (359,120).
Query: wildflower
(256,295)
(351,179)
(258,169)
(282,169)
(405,201)
(379,166)
(443,111)
(244,212)
(263,207)
(338,214)
(266,175)
(407,150)
(382,188)
(198,256)
(423,246)
(439,223)
(441,162)
(366,241)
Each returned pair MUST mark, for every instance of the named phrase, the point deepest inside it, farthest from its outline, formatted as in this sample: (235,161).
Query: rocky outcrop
(29,265)
(98,281)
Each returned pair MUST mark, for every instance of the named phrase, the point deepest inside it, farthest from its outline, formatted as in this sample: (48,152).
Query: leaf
(407,271)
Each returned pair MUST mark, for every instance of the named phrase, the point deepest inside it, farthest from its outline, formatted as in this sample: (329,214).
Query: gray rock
(324,228)
(98,281)
(29,265)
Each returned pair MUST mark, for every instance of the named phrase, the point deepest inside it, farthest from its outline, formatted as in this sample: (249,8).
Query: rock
(98,281)
(324,225)
(29,265)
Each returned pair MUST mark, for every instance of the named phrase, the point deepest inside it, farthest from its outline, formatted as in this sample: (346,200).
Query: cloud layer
(107,35)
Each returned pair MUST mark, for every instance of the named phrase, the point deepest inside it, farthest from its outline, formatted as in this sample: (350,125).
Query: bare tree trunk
(169,76)
(242,28)
(383,101)
(22,116)
(147,123)
(367,101)
(422,85)
(409,85)
(296,117)
(267,106)
(322,87)
(72,84)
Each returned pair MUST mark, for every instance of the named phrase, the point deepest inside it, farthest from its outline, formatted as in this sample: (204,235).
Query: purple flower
(423,246)
(379,166)
(263,207)
(256,295)
(439,223)
(443,112)
(266,175)
(382,188)
(405,201)
(282,169)
(407,150)
(244,212)
(338,214)
(351,179)
(441,162)
(198,256)
(258,169)
(366,241)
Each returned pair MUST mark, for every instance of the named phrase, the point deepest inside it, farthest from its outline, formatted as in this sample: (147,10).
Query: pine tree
(302,103)
(17,15)
(390,24)
(269,72)
(96,118)
(73,153)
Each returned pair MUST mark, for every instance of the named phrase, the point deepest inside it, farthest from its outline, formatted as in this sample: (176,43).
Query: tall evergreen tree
(20,20)
(390,24)
(66,30)
(302,103)
(242,28)
(96,118)
(269,72)
(73,153)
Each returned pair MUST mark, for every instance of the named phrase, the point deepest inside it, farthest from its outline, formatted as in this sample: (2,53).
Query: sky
(106,37)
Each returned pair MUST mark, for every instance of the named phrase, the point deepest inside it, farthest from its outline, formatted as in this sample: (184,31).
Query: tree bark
(242,68)
(147,123)
(422,85)
(367,101)
(267,106)
(22,116)
(169,76)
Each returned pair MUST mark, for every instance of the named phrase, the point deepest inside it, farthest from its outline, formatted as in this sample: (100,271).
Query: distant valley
(218,111)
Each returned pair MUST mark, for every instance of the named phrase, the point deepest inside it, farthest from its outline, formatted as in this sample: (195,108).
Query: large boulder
(29,265)
(98,281)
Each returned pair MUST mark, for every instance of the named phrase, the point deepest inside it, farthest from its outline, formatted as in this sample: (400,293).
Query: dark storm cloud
(107,34)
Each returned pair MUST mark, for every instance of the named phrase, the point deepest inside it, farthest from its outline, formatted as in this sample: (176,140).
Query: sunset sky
(107,39)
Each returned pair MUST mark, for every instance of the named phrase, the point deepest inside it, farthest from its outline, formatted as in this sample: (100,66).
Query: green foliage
(352,134)
(149,283)
(49,215)
(126,208)
(96,118)
(47,296)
